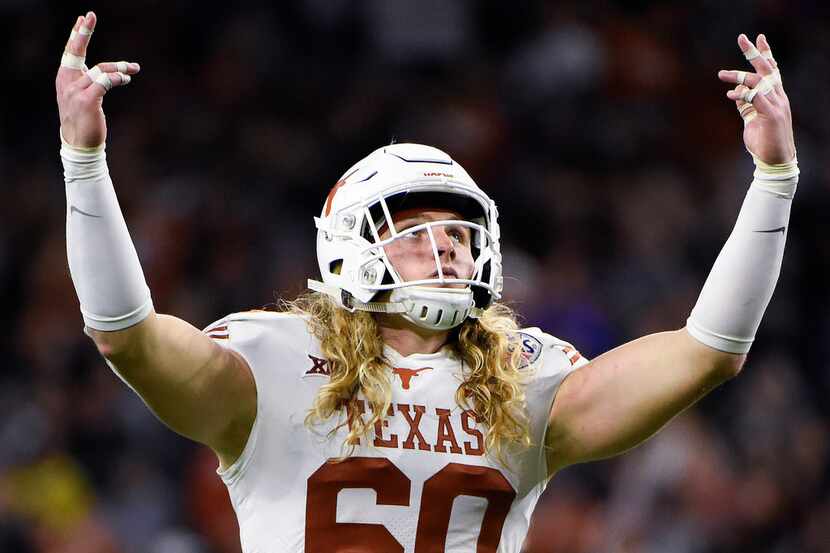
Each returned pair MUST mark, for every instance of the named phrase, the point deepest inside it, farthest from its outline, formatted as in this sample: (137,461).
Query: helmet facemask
(349,239)
(440,300)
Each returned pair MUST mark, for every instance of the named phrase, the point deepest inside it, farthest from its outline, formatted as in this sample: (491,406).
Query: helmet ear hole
(335,266)
(481,295)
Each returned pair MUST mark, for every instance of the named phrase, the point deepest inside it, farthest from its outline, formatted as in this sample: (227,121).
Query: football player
(398,407)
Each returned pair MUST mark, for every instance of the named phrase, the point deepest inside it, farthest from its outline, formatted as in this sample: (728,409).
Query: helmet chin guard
(435,308)
(351,254)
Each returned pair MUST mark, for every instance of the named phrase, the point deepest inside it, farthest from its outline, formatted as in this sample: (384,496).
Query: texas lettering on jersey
(445,438)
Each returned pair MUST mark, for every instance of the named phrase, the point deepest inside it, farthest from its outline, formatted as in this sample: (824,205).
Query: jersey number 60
(323,534)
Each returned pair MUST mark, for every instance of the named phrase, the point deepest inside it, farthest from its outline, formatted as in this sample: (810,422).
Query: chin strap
(348,302)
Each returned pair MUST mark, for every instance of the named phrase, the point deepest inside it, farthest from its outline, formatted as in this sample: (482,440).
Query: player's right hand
(80,92)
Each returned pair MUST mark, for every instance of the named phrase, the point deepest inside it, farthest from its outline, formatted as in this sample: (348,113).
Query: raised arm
(626,395)
(198,388)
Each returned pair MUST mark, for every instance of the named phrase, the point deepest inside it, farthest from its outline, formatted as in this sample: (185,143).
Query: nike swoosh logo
(773,230)
(73,208)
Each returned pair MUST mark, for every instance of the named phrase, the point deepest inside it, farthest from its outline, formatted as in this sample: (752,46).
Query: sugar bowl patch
(531,349)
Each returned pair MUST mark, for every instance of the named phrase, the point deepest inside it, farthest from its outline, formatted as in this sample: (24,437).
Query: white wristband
(740,285)
(102,258)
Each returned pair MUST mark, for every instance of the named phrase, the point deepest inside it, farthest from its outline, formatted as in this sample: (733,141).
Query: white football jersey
(421,482)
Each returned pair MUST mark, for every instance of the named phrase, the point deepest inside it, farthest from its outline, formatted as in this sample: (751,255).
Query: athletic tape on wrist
(80,149)
(790,168)
(779,179)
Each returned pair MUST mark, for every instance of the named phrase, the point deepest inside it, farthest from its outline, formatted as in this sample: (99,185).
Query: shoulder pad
(220,330)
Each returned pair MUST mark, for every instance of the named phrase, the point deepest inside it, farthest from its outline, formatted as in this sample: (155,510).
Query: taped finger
(73,33)
(776,73)
(745,109)
(83,30)
(107,81)
(768,83)
(80,36)
(766,50)
(70,60)
(766,53)
(747,113)
(112,67)
(74,54)
(764,87)
(751,53)
(102,79)
(739,77)
(94,73)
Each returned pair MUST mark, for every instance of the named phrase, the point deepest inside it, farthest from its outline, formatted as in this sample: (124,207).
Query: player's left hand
(762,103)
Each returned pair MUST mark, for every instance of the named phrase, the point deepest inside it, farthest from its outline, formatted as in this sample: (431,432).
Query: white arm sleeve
(740,285)
(102,258)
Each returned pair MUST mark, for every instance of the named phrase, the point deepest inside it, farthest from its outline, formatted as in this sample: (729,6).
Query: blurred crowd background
(600,129)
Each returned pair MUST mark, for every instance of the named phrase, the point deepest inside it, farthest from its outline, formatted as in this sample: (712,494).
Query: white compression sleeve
(102,258)
(740,285)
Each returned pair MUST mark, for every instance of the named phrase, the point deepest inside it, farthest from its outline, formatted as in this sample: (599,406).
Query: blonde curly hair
(351,342)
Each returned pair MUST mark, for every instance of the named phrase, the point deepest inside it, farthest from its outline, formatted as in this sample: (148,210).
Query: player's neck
(406,338)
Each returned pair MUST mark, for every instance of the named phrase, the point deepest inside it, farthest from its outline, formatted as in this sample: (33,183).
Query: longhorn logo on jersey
(407,374)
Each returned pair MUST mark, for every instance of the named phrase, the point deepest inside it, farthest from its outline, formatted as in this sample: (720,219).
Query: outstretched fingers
(766,53)
(737,77)
(762,87)
(746,110)
(74,55)
(105,76)
(762,103)
(73,73)
(759,96)
(73,33)
(753,56)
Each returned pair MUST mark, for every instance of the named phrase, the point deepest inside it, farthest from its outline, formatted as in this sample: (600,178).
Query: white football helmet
(351,255)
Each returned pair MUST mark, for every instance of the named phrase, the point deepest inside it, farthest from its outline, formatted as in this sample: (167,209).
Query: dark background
(600,129)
